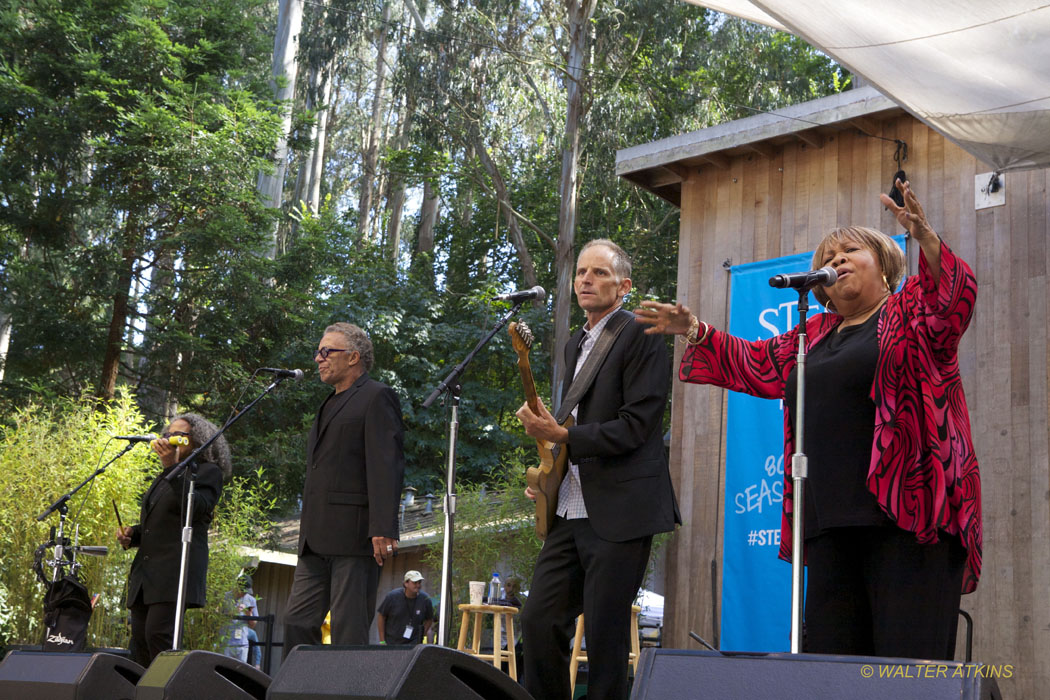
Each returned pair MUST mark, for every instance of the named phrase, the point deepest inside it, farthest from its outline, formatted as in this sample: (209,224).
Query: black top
(154,576)
(840,428)
(398,611)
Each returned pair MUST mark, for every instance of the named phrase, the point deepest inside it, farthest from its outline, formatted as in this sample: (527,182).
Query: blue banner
(756,585)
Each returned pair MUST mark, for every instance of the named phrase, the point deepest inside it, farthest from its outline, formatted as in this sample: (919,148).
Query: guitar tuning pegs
(526,334)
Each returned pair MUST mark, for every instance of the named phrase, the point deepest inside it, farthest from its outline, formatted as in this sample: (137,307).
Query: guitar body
(545,480)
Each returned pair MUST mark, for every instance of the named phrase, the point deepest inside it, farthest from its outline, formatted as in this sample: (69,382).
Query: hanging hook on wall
(994,183)
(899,156)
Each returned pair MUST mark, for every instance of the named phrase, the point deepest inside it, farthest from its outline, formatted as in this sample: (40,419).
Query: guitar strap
(585,377)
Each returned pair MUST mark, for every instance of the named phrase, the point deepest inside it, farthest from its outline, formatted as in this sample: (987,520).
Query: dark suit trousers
(152,630)
(346,585)
(577,571)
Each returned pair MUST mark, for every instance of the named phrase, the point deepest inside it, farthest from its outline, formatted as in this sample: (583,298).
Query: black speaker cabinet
(679,674)
(201,675)
(49,675)
(426,671)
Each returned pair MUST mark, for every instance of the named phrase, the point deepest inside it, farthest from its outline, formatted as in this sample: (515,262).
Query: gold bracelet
(692,336)
(707,332)
(694,329)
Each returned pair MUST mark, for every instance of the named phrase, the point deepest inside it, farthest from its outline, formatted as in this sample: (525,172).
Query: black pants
(876,591)
(343,584)
(576,572)
(152,630)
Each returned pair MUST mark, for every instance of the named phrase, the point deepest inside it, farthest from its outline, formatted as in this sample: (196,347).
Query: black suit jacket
(155,570)
(618,437)
(355,468)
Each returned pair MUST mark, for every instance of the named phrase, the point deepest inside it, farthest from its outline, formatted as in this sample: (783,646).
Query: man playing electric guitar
(616,495)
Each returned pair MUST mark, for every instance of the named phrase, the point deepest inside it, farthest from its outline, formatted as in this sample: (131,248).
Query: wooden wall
(763,207)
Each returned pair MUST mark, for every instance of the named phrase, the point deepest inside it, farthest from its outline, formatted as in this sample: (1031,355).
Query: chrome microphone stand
(58,562)
(799,475)
(451,385)
(187,530)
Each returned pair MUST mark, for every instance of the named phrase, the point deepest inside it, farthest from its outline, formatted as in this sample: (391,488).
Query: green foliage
(240,518)
(130,136)
(132,132)
(46,451)
(494,527)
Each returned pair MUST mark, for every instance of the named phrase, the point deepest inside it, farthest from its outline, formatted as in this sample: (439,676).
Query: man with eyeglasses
(354,472)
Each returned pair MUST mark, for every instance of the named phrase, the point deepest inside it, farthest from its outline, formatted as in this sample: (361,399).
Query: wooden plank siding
(763,207)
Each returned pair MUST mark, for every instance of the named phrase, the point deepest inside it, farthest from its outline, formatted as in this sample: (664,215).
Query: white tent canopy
(974,70)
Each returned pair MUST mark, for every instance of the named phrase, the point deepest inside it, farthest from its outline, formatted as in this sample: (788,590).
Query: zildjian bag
(67,611)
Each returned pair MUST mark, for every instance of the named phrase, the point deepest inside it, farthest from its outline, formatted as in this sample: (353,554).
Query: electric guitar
(544,480)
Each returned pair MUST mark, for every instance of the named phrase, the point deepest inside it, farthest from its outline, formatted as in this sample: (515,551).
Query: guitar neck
(525,369)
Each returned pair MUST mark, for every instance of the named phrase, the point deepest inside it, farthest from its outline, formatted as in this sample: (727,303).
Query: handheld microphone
(536,293)
(173,440)
(825,276)
(295,374)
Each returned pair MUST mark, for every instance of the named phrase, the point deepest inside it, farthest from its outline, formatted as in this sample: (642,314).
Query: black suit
(354,473)
(154,579)
(595,565)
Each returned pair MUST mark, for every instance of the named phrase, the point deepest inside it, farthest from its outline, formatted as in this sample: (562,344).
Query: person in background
(254,648)
(154,578)
(406,614)
(237,645)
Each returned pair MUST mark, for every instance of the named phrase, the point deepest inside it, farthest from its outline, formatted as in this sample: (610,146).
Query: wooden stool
(578,654)
(501,615)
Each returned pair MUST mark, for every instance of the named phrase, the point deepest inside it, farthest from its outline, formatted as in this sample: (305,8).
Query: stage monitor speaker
(422,672)
(201,675)
(51,675)
(683,675)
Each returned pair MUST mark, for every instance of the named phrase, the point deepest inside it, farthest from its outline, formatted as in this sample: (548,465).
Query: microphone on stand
(536,293)
(173,440)
(92,550)
(295,374)
(825,276)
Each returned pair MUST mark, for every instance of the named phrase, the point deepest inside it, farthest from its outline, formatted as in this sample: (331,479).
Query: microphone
(825,276)
(92,550)
(295,374)
(536,293)
(173,440)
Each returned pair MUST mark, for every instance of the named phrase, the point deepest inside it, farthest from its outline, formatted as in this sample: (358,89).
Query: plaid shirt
(570,494)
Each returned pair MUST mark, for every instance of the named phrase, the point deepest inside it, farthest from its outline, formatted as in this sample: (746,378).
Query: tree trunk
(118,320)
(313,191)
(428,215)
(308,182)
(157,367)
(528,268)
(285,69)
(396,201)
(5,340)
(370,161)
(579,16)
(466,200)
(7,321)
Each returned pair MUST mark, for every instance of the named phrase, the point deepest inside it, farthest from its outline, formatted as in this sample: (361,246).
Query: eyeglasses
(325,352)
(174,433)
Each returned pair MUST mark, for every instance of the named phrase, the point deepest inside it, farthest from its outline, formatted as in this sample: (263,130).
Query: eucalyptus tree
(284,71)
(131,132)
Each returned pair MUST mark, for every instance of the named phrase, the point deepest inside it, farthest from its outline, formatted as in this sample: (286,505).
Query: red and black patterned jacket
(923,468)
